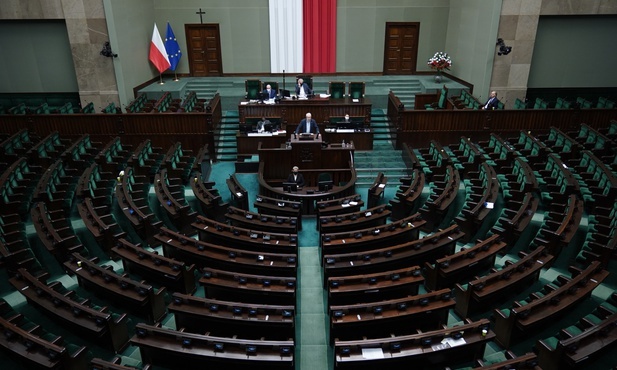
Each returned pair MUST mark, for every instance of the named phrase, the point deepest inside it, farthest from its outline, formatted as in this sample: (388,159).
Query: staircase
(405,90)
(369,164)
(206,88)
(225,145)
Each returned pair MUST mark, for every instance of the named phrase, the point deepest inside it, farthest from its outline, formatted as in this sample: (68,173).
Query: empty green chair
(253,88)
(336,89)
(356,90)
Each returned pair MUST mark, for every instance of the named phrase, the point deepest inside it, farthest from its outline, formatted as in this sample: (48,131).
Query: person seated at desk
(346,119)
(492,102)
(270,92)
(302,89)
(296,177)
(261,124)
(307,125)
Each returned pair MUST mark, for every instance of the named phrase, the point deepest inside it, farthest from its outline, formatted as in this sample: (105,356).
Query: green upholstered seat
(336,89)
(253,87)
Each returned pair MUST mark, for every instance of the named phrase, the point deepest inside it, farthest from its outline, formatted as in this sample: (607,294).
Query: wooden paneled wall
(193,129)
(418,127)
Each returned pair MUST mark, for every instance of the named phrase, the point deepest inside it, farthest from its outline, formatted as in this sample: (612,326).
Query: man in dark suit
(307,125)
(492,102)
(303,89)
(271,93)
(296,177)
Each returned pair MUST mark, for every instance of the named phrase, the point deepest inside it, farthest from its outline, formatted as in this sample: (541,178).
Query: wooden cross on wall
(201,13)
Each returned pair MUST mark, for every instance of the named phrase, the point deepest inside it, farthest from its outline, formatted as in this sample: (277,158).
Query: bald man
(492,102)
(307,125)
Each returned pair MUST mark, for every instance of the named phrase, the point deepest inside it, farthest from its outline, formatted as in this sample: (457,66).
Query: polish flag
(158,55)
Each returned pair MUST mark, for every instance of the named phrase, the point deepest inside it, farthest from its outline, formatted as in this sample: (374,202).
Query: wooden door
(203,43)
(401,47)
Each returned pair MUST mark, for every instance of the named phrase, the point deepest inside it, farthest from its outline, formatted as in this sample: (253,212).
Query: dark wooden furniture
(141,298)
(239,195)
(228,318)
(176,275)
(461,266)
(185,248)
(423,349)
(235,286)
(375,216)
(483,291)
(261,221)
(390,316)
(78,313)
(293,111)
(179,349)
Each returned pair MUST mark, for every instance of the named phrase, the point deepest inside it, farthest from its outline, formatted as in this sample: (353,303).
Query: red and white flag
(158,55)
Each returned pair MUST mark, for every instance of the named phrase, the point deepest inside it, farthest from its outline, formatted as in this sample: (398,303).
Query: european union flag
(173,49)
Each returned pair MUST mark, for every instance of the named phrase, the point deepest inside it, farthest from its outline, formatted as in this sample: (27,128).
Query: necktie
(308,126)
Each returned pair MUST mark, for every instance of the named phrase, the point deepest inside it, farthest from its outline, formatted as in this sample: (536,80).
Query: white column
(285,36)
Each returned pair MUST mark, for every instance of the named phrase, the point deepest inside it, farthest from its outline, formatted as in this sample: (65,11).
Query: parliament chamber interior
(165,231)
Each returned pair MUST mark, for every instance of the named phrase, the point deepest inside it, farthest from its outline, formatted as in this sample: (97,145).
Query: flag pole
(161,79)
(176,76)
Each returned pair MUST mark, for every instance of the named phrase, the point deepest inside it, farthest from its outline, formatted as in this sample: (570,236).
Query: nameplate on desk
(259,134)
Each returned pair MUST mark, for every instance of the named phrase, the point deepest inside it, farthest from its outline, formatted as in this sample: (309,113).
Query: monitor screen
(346,125)
(262,95)
(325,185)
(284,93)
(269,127)
(245,128)
(290,186)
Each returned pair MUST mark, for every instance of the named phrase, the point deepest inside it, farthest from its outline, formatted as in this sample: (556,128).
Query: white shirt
(302,92)
(308,126)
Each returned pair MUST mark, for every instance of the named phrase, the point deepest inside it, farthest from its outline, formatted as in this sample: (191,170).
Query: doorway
(203,43)
(401,48)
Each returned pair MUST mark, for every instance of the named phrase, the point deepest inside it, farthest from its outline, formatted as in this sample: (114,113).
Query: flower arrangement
(440,61)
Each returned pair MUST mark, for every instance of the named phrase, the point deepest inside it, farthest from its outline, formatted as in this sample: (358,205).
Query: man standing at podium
(307,125)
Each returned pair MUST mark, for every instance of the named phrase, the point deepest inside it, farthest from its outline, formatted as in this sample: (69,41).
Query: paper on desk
(372,353)
(353,203)
(324,95)
(382,185)
(345,205)
(244,103)
(454,342)
(355,100)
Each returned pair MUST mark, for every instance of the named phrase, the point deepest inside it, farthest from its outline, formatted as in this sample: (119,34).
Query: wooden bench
(372,217)
(185,248)
(170,194)
(79,313)
(374,287)
(390,316)
(347,204)
(279,207)
(397,256)
(408,194)
(239,195)
(461,266)
(263,222)
(423,349)
(176,275)
(139,297)
(101,223)
(34,346)
(234,286)
(376,190)
(552,302)
(232,318)
(364,240)
(480,293)
(235,237)
(179,348)
(209,199)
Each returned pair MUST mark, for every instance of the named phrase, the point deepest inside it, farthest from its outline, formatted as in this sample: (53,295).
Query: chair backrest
(336,89)
(356,90)
(519,104)
(253,87)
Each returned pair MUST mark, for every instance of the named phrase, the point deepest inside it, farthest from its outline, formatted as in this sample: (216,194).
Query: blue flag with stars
(173,49)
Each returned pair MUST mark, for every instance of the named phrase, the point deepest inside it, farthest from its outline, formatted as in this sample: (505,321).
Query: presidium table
(289,112)
(316,161)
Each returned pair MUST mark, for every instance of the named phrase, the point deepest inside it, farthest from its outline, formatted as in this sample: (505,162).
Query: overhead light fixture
(503,49)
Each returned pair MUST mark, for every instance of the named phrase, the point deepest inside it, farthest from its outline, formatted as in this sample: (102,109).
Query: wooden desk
(293,111)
